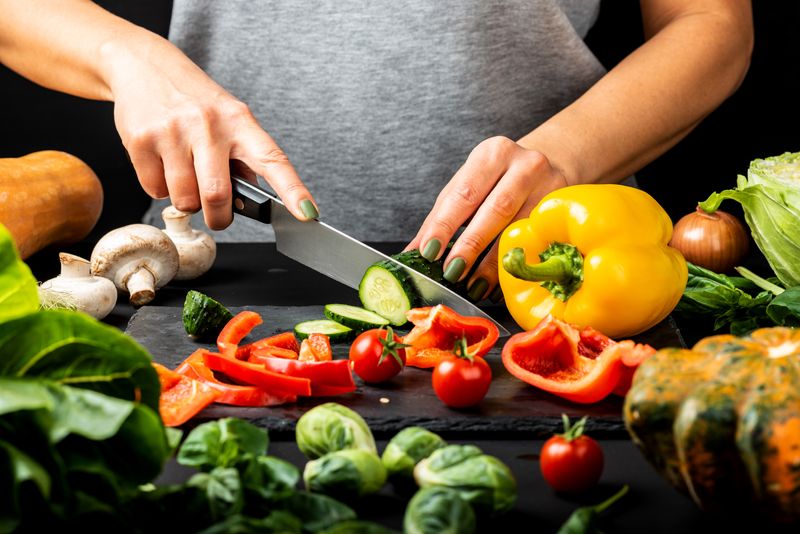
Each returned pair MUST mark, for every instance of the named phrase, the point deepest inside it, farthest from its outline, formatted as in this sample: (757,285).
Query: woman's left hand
(499,183)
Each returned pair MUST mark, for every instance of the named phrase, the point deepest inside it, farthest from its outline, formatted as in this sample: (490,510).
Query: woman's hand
(182,130)
(499,183)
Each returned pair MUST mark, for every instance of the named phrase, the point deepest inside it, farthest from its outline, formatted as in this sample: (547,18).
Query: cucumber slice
(358,319)
(203,317)
(336,332)
(388,291)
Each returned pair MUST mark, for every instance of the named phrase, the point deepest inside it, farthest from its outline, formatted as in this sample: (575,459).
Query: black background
(761,119)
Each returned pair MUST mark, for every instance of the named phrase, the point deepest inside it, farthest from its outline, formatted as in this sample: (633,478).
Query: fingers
(150,171)
(260,152)
(212,167)
(461,197)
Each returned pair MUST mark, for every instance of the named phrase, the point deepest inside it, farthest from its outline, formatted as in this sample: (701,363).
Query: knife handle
(251,201)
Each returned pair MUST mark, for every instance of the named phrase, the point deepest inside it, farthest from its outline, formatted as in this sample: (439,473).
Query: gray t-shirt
(378,103)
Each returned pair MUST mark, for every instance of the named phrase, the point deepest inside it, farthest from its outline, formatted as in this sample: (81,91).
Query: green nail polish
(431,250)
(496,294)
(455,269)
(309,209)
(477,289)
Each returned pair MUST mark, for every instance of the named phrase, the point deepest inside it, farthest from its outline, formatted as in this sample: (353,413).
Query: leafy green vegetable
(277,522)
(438,510)
(770,197)
(347,473)
(332,427)
(407,448)
(743,303)
(357,527)
(270,478)
(223,490)
(72,348)
(18,291)
(480,479)
(317,512)
(222,443)
(584,519)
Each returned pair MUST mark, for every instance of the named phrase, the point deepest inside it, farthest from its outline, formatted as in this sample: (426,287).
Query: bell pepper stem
(555,268)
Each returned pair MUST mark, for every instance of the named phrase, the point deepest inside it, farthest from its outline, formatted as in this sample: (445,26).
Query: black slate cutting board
(511,408)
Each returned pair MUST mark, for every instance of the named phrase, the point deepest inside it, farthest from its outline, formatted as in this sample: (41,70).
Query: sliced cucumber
(388,291)
(203,317)
(336,332)
(358,319)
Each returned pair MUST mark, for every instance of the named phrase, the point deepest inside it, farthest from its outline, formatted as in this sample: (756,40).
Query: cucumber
(388,291)
(336,332)
(204,317)
(359,319)
(432,269)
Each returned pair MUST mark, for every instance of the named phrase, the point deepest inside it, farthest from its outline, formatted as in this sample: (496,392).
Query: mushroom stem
(141,286)
(177,222)
(73,266)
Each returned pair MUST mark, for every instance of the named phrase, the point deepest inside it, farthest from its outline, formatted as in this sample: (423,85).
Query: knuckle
(215,196)
(275,156)
(444,226)
(495,149)
(471,242)
(236,109)
(467,193)
(504,206)
(189,205)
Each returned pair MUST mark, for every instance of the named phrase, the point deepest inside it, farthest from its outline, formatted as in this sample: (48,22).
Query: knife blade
(334,253)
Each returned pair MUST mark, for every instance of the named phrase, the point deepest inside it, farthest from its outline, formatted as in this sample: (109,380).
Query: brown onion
(717,241)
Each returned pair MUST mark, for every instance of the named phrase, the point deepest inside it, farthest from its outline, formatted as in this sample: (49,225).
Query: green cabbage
(770,197)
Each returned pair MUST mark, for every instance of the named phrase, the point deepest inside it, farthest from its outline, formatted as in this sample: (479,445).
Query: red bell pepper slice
(181,397)
(579,365)
(316,348)
(237,395)
(235,330)
(438,328)
(332,377)
(256,375)
(284,340)
(257,354)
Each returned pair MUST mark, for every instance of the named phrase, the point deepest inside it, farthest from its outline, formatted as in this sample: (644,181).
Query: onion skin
(717,241)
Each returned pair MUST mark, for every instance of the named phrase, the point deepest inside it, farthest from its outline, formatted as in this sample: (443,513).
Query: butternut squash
(48,198)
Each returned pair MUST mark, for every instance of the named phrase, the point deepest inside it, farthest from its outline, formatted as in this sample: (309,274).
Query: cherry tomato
(571,462)
(461,380)
(377,355)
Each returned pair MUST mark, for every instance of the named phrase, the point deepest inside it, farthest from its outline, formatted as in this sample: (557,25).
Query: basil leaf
(18,290)
(72,348)
(270,478)
(223,489)
(277,522)
(316,511)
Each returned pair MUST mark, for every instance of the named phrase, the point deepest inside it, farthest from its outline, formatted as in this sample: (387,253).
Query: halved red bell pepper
(237,395)
(579,365)
(285,341)
(256,375)
(332,377)
(236,330)
(181,397)
(316,348)
(438,328)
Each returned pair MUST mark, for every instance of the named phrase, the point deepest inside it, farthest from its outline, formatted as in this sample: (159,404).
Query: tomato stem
(572,431)
(461,349)
(390,347)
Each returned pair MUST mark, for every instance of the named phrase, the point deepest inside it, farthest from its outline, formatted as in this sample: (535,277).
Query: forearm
(72,46)
(695,58)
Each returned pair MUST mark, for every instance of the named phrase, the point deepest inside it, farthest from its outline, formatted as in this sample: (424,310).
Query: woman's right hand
(181,130)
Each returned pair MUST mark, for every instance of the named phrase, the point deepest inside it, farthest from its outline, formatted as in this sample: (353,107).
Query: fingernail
(454,269)
(477,289)
(309,209)
(431,250)
(496,294)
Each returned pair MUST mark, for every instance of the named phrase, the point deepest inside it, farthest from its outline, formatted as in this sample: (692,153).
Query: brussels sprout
(408,447)
(347,473)
(438,510)
(332,427)
(482,480)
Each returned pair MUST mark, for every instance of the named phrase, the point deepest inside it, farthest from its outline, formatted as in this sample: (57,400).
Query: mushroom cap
(125,250)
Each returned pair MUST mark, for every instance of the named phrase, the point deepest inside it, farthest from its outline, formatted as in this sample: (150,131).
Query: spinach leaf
(222,443)
(785,308)
(18,290)
(72,348)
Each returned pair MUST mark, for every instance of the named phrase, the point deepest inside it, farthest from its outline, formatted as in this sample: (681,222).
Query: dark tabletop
(255,274)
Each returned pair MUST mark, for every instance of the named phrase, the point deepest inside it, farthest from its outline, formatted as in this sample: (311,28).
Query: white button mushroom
(77,287)
(138,258)
(197,250)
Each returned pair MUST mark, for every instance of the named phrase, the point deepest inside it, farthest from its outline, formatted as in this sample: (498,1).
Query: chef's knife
(334,253)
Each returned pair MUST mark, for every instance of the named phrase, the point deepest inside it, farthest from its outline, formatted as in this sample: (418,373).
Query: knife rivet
(239,203)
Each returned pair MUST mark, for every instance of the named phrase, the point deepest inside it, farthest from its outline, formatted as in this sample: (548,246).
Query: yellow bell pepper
(592,255)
